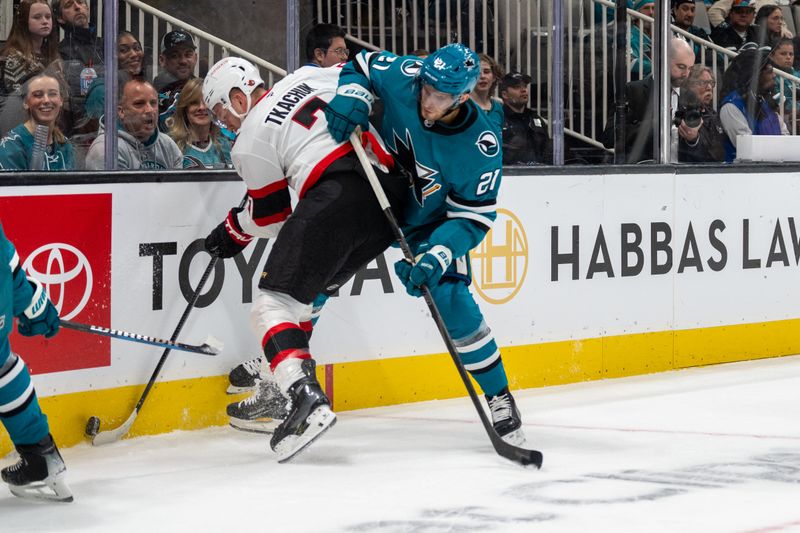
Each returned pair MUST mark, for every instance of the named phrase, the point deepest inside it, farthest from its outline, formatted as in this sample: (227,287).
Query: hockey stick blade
(505,449)
(202,349)
(523,456)
(113,435)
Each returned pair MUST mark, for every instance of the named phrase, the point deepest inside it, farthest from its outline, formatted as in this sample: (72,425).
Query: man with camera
(701,138)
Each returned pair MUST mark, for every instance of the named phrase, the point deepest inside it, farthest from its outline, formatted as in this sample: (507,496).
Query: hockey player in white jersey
(335,229)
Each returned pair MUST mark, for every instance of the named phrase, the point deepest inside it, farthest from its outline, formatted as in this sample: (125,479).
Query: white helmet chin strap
(229,107)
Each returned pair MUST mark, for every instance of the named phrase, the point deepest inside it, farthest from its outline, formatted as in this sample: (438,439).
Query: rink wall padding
(584,276)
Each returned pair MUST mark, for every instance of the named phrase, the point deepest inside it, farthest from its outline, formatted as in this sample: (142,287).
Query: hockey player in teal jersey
(450,151)
(40,470)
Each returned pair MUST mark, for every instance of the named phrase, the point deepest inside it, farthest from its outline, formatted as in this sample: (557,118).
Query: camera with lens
(690,110)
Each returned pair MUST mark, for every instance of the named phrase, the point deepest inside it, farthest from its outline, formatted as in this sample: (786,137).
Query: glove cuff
(443,255)
(235,230)
(38,300)
(354,90)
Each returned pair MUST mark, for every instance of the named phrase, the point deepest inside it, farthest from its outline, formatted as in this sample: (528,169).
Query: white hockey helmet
(226,74)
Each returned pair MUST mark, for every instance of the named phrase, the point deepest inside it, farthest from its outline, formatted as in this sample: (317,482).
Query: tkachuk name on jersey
(288,101)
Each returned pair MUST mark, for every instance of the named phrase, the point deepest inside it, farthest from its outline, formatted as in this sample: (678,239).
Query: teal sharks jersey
(15,291)
(454,170)
(16,150)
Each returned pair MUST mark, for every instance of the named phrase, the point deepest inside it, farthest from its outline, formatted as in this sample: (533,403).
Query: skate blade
(319,421)
(233,389)
(515,438)
(262,425)
(49,490)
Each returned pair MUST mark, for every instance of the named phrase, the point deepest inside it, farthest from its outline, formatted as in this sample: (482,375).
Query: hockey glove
(348,109)
(427,270)
(41,316)
(228,239)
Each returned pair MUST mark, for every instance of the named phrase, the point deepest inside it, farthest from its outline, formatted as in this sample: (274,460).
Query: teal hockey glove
(427,270)
(41,316)
(348,109)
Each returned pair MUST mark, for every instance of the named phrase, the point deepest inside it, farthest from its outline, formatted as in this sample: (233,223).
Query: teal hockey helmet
(452,69)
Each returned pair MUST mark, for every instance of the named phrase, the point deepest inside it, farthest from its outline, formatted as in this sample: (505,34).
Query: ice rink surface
(714,449)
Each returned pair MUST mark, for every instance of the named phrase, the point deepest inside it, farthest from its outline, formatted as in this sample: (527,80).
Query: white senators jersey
(284,142)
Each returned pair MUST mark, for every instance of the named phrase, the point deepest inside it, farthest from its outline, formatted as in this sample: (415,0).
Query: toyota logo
(56,257)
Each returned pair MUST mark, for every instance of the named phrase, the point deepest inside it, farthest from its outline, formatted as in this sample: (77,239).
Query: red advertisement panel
(65,242)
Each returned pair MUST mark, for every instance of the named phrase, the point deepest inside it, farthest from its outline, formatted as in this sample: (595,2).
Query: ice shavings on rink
(707,449)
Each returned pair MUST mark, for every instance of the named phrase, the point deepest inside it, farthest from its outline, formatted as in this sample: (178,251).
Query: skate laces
(500,406)
(250,400)
(17,466)
(253,366)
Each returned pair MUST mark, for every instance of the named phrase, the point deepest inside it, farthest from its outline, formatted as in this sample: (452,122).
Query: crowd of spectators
(163,123)
(58,87)
(749,95)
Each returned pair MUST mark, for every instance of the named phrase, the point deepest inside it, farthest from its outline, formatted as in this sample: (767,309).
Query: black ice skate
(505,417)
(39,473)
(244,377)
(261,412)
(309,417)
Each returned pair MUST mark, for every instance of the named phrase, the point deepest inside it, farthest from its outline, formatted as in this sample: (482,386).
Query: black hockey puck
(92,426)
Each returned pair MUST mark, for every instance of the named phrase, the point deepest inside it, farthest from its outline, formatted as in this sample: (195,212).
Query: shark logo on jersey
(410,67)
(419,175)
(487,144)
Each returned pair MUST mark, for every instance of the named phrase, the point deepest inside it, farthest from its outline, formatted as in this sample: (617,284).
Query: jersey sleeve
(471,207)
(268,200)
(22,289)
(369,70)
(12,155)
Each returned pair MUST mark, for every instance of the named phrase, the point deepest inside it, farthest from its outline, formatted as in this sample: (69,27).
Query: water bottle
(88,75)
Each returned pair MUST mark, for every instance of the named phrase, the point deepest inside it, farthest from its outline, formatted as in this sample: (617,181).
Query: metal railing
(518,34)
(150,24)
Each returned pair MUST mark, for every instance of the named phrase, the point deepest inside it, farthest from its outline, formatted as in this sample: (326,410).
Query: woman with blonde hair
(199,138)
(483,94)
(42,101)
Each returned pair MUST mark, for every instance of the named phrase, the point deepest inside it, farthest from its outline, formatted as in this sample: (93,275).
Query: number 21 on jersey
(487,182)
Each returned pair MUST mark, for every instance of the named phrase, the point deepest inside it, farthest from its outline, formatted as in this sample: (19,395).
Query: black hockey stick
(503,448)
(210,347)
(113,435)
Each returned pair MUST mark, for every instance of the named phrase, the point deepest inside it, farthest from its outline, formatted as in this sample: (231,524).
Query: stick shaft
(502,447)
(138,337)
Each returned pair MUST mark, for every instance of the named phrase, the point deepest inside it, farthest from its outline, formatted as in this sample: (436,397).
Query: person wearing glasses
(325,46)
(696,105)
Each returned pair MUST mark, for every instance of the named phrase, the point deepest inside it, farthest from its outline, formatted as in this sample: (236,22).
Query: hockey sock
(19,407)
(481,358)
(285,346)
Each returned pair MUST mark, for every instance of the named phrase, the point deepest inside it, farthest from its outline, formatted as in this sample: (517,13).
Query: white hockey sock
(287,373)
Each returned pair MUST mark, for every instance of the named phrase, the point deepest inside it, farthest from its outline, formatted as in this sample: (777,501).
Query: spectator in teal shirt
(641,43)
(42,101)
(782,57)
(200,140)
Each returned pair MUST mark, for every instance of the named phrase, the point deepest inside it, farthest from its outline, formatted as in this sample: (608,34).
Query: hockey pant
(464,322)
(335,229)
(19,407)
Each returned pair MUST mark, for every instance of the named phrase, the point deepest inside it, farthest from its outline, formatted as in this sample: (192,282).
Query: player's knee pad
(271,308)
